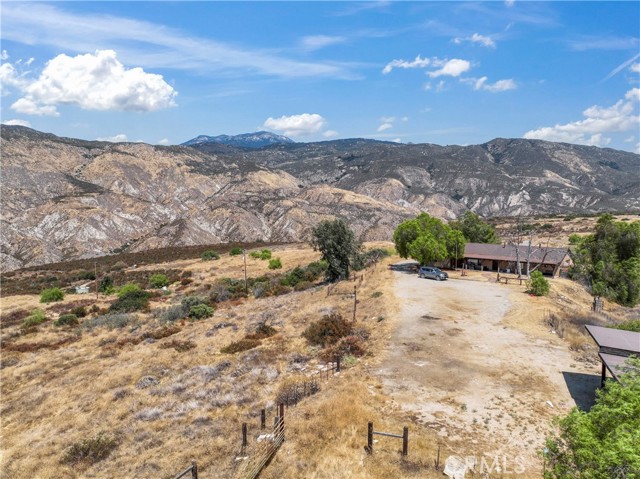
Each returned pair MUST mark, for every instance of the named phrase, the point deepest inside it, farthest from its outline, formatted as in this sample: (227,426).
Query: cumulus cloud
(500,85)
(635,68)
(454,67)
(598,121)
(94,82)
(330,134)
(316,42)
(17,122)
(296,125)
(119,138)
(4,55)
(164,141)
(477,38)
(419,62)
(385,126)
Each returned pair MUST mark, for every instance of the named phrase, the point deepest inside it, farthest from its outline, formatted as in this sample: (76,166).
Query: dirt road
(488,389)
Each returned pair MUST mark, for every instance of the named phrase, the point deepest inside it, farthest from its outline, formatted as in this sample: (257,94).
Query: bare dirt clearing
(480,382)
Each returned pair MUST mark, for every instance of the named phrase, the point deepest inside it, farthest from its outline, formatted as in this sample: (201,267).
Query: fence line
(266,449)
(193,469)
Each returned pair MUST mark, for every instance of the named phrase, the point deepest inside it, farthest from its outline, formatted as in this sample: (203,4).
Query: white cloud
(94,82)
(9,77)
(630,139)
(316,42)
(385,126)
(427,86)
(150,45)
(598,121)
(500,85)
(635,68)
(509,3)
(119,138)
(296,125)
(17,122)
(164,141)
(440,87)
(4,55)
(476,38)
(454,67)
(419,62)
(396,140)
(28,106)
(330,134)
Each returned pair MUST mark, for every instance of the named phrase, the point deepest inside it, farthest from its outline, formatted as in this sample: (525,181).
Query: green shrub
(90,450)
(84,275)
(209,255)
(120,265)
(538,284)
(66,320)
(127,288)
(235,251)
(179,345)
(275,263)
(328,330)
(263,331)
(51,294)
(575,239)
(255,254)
(36,317)
(376,294)
(630,325)
(239,346)
(201,311)
(265,254)
(158,280)
(171,314)
(132,301)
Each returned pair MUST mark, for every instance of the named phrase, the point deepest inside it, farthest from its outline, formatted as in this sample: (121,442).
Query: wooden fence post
(338,364)
(370,438)
(244,435)
(437,461)
(405,441)
(281,428)
(263,419)
(355,303)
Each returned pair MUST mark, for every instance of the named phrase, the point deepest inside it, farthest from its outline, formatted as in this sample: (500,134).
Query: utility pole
(95,273)
(355,302)
(244,258)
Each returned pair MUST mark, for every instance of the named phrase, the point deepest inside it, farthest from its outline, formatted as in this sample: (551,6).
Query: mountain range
(244,140)
(64,198)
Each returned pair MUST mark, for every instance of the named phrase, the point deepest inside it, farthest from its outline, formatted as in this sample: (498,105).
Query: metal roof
(615,341)
(507,252)
(613,363)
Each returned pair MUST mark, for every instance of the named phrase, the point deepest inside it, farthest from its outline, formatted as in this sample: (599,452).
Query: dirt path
(482,385)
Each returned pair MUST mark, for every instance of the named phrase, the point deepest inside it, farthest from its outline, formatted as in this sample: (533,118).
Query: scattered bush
(538,284)
(351,345)
(367,258)
(158,280)
(328,330)
(66,320)
(200,311)
(209,255)
(90,450)
(110,321)
(171,314)
(235,251)
(120,265)
(265,254)
(79,311)
(303,285)
(275,263)
(131,301)
(178,345)
(86,275)
(575,239)
(106,285)
(51,294)
(263,331)
(239,346)
(13,318)
(163,332)
(376,294)
(36,317)
(255,254)
(127,288)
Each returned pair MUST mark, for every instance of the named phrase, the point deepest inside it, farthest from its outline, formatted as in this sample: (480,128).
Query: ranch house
(503,258)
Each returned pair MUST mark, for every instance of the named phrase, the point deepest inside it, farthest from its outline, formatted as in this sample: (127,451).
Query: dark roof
(507,252)
(616,341)
(613,363)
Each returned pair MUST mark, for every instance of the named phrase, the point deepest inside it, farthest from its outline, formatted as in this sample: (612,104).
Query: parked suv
(433,273)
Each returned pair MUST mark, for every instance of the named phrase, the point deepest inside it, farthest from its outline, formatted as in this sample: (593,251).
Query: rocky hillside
(65,199)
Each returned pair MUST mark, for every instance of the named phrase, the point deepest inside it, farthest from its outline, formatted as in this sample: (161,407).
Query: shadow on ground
(582,388)
(406,267)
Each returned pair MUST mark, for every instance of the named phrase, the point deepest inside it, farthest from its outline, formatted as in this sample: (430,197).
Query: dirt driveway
(488,389)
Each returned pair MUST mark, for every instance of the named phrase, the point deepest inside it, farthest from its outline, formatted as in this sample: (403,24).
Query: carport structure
(614,347)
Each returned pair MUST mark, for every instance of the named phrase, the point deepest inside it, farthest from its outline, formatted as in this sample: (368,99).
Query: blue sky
(445,73)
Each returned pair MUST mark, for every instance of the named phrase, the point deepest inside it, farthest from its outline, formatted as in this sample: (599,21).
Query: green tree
(338,245)
(608,261)
(127,288)
(601,443)
(51,294)
(426,249)
(106,285)
(474,229)
(538,284)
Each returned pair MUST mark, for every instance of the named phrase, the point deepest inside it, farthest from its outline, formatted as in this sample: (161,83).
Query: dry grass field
(145,398)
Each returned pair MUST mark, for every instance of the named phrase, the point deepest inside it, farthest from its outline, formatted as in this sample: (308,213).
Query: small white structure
(84,289)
